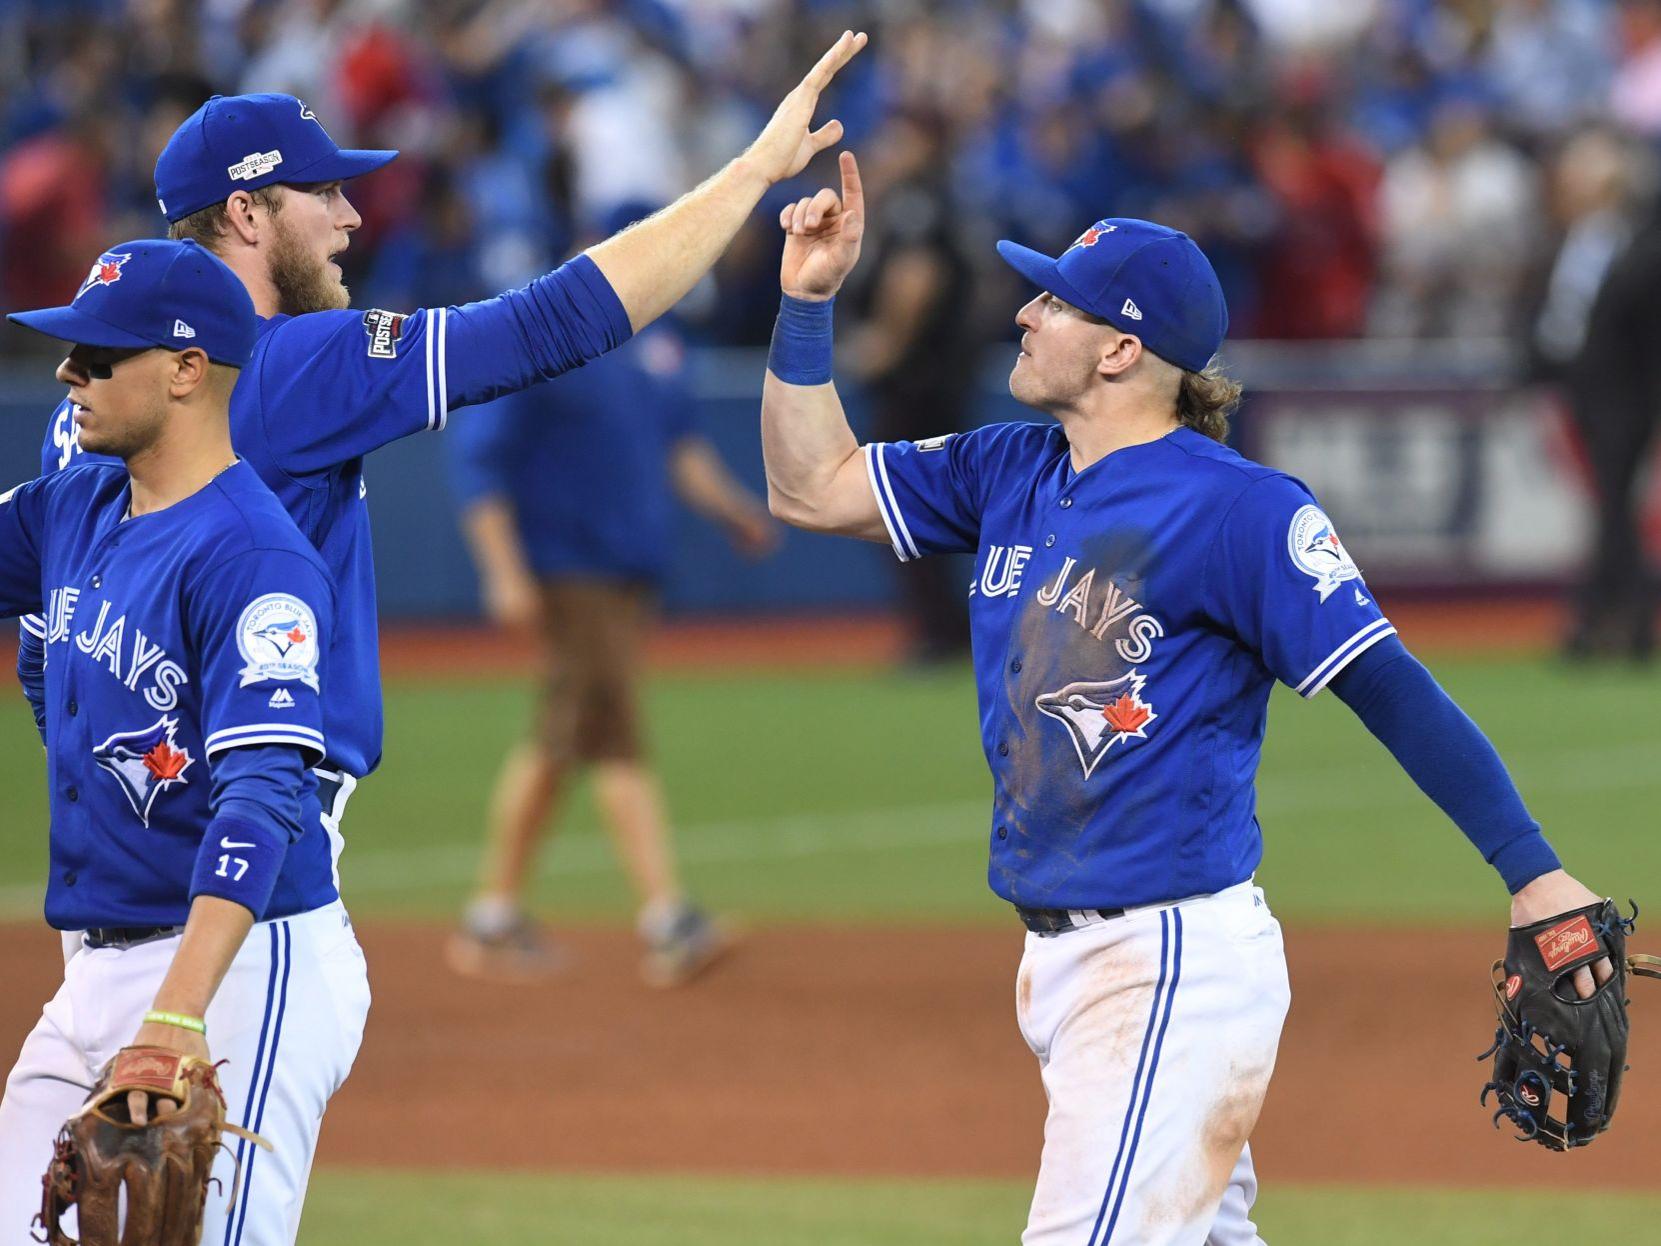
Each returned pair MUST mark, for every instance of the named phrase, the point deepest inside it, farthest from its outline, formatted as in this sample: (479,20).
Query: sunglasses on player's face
(99,363)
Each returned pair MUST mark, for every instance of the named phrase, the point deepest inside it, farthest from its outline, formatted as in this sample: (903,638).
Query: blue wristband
(801,350)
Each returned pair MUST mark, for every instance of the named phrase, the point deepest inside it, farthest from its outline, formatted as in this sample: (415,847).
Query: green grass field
(845,796)
(352,1208)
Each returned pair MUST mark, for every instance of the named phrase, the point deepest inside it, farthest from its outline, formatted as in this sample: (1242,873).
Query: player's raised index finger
(840,53)
(853,191)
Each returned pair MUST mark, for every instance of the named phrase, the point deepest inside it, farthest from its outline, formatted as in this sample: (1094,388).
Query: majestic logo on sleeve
(145,763)
(1099,714)
(277,637)
(106,272)
(384,329)
(1316,551)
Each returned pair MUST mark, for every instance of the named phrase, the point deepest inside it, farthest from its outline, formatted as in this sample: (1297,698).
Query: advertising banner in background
(1434,488)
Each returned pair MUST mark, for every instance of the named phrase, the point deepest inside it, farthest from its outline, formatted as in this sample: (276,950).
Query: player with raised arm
(187,626)
(258,181)
(1139,588)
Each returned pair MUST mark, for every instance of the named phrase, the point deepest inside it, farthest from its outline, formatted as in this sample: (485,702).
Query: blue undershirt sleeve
(256,798)
(1447,755)
(558,322)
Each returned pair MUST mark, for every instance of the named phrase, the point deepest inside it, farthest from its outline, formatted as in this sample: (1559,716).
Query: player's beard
(303,282)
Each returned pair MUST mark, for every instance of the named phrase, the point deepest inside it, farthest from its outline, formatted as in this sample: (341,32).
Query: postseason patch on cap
(384,329)
(254,165)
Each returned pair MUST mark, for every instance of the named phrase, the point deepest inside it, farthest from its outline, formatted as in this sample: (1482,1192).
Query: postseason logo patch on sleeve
(384,329)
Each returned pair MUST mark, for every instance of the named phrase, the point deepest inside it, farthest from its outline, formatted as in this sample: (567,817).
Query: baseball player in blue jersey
(258,181)
(187,637)
(1139,587)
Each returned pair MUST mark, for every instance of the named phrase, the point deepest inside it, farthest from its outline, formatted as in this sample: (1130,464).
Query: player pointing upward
(1139,588)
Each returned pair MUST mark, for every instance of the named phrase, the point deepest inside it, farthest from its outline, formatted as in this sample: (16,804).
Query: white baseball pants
(1156,1035)
(289,1018)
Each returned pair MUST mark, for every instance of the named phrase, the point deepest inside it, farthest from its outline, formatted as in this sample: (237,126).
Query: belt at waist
(334,789)
(127,936)
(1054,921)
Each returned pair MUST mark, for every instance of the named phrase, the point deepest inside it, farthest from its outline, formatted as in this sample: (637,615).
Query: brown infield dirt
(865,1051)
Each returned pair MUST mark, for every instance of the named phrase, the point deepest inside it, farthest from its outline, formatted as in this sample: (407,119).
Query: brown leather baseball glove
(164,1166)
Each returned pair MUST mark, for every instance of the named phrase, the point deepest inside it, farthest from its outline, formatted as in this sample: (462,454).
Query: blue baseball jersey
(172,637)
(584,461)
(1128,622)
(325,389)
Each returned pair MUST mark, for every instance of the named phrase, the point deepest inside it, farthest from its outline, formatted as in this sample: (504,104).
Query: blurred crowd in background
(1371,167)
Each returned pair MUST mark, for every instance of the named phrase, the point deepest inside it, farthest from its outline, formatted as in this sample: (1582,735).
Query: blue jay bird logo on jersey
(1316,551)
(277,637)
(106,272)
(1099,714)
(145,763)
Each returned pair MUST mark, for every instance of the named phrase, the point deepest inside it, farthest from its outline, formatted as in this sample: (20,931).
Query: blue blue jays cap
(156,293)
(243,142)
(1143,279)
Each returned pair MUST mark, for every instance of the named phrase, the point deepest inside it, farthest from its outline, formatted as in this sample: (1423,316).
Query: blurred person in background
(1549,62)
(1635,94)
(1598,333)
(1319,264)
(52,211)
(1456,213)
(910,346)
(567,493)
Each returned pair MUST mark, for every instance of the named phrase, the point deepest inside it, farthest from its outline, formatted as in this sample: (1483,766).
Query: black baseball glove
(1550,1041)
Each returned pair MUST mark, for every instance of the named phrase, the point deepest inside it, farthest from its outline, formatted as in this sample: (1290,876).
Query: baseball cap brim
(341,166)
(1043,272)
(69,324)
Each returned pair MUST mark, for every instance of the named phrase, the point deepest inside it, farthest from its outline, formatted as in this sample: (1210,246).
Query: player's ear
(243,217)
(1119,354)
(190,371)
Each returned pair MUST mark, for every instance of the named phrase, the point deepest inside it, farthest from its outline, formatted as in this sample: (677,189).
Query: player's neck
(251,267)
(1095,434)
(179,463)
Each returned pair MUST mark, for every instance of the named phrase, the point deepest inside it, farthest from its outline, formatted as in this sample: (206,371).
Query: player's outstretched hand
(822,237)
(786,144)
(1549,895)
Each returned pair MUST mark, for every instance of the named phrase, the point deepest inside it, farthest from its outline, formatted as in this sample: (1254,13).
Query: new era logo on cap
(181,329)
(255,164)
(1131,309)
